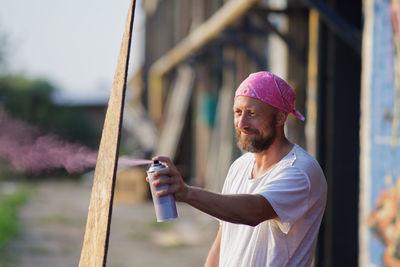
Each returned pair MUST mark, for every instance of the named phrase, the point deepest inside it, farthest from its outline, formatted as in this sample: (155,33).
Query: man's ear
(281,117)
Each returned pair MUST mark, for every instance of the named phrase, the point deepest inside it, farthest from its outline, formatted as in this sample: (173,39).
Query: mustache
(247,131)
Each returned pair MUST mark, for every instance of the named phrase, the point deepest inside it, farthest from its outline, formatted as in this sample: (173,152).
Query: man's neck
(268,158)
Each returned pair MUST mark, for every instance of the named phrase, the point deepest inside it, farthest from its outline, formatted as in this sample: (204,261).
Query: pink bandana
(270,89)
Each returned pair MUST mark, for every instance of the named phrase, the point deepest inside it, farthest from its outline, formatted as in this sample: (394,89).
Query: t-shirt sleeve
(287,192)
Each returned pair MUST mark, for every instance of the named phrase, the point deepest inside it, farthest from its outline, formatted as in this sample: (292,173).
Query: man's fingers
(162,172)
(160,181)
(167,176)
(164,159)
(166,172)
(170,169)
(164,192)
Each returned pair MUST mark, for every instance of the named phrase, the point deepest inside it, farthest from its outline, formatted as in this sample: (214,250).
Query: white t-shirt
(296,189)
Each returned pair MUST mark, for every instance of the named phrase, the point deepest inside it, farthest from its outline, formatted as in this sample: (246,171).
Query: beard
(257,143)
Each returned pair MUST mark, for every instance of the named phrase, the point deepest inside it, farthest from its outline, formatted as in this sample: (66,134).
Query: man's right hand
(177,187)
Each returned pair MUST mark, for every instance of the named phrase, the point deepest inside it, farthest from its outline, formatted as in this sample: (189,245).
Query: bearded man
(274,196)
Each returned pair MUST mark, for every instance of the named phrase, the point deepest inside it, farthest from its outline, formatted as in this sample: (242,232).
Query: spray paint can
(165,207)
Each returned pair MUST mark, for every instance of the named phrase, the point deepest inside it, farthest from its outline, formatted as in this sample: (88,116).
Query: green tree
(31,100)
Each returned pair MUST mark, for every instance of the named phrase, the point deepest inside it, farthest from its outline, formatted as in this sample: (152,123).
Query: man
(274,196)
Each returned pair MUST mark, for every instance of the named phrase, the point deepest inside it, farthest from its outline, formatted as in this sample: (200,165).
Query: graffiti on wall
(380,157)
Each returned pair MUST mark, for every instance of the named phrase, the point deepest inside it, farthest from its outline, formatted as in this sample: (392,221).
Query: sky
(74,44)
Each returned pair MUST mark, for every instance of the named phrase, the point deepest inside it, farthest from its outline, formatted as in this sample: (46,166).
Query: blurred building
(198,51)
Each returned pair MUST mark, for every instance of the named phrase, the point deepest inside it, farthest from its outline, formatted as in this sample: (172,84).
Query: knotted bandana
(270,89)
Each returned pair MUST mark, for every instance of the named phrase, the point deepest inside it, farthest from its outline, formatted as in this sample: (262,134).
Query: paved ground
(54,219)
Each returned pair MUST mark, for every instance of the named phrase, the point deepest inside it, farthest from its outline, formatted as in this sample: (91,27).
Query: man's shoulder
(300,162)
(310,167)
(303,157)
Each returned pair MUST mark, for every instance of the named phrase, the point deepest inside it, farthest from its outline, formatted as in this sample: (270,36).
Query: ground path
(54,219)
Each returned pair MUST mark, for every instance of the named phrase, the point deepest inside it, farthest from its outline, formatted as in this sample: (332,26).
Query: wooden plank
(95,243)
(176,109)
(229,13)
(222,139)
(226,15)
(312,84)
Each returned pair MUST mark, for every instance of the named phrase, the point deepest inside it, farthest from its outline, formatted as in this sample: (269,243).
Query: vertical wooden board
(175,114)
(222,139)
(95,243)
(312,84)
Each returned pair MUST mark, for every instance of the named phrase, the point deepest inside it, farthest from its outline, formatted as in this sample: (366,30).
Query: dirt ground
(53,223)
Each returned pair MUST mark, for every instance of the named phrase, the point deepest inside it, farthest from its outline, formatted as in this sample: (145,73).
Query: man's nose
(242,122)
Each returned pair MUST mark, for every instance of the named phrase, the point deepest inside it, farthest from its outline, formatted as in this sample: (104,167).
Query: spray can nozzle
(156,162)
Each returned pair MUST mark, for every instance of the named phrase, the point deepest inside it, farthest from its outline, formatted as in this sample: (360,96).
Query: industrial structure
(198,51)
